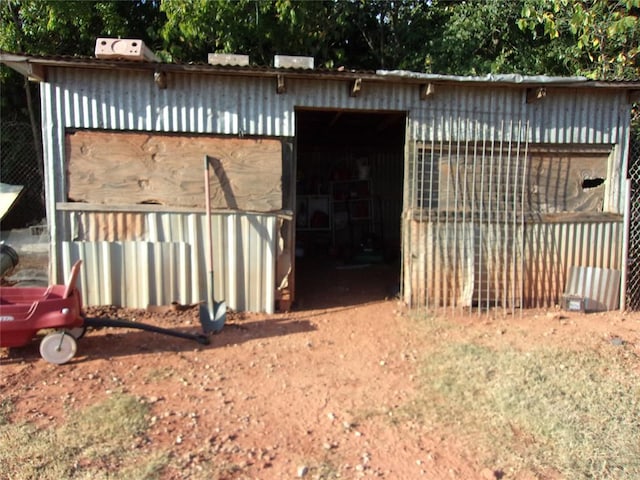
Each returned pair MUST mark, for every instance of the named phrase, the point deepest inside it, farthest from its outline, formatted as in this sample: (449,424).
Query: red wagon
(24,311)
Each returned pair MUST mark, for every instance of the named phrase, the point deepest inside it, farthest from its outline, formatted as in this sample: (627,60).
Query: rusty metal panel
(503,268)
(107,226)
(441,268)
(477,175)
(126,270)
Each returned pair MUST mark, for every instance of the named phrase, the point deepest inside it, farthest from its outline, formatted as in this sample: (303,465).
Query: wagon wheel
(58,347)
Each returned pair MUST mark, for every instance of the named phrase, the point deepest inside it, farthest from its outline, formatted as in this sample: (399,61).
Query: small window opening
(588,183)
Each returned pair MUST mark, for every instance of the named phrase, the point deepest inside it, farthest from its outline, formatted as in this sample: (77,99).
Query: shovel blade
(212,319)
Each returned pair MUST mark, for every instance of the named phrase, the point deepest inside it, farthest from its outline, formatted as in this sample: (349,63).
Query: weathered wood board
(124,168)
(554,181)
(567,182)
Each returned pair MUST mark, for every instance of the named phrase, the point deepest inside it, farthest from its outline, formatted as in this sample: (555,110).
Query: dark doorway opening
(349,194)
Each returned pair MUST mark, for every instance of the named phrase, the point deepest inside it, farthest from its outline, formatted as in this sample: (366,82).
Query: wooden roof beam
(34,72)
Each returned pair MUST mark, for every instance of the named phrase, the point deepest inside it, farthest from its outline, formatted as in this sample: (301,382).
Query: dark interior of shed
(349,185)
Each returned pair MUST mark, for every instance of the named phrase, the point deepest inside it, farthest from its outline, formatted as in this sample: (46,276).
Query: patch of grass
(6,409)
(573,412)
(94,443)
(160,374)
(326,470)
(320,469)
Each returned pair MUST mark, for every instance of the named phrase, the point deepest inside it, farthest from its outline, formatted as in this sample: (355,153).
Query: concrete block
(228,59)
(124,49)
(288,61)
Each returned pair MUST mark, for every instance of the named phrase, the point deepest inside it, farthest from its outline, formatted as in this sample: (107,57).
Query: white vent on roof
(288,61)
(124,49)
(228,59)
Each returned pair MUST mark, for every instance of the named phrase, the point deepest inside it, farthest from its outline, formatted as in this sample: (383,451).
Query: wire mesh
(633,261)
(20,166)
(496,222)
(466,241)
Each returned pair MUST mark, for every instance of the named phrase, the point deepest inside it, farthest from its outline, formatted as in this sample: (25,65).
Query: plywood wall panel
(117,168)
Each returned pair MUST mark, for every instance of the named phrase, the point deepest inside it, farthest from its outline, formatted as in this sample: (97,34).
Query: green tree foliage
(54,27)
(480,37)
(256,28)
(388,34)
(599,38)
(50,27)
(357,34)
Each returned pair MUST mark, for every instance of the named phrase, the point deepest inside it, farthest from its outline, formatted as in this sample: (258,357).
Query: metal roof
(33,66)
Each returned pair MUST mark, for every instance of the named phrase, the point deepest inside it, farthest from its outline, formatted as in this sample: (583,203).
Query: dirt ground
(287,395)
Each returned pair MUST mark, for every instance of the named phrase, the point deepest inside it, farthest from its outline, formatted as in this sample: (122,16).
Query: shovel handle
(207,203)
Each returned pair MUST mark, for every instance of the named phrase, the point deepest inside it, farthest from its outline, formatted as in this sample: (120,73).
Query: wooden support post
(281,86)
(356,86)
(427,90)
(536,94)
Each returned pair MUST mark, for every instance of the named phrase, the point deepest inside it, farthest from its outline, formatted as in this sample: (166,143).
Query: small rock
(302,471)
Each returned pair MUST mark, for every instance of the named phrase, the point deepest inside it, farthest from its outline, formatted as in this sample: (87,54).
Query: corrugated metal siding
(193,103)
(196,104)
(457,265)
(551,249)
(205,104)
(564,116)
(126,269)
(600,287)
(463,249)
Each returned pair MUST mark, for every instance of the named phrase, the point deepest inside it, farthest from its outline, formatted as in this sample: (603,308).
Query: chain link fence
(20,166)
(633,262)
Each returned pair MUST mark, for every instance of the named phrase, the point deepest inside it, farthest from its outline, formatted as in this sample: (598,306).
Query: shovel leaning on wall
(213,314)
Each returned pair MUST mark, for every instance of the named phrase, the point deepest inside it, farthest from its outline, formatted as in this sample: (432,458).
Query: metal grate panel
(633,260)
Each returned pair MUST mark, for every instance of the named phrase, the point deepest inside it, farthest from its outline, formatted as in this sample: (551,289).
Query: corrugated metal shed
(205,99)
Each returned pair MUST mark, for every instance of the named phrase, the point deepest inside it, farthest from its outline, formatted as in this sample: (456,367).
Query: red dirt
(275,393)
